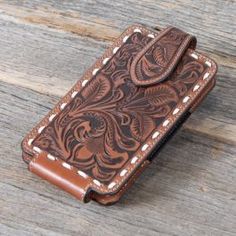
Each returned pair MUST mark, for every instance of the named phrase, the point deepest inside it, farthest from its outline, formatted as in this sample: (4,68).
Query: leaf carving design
(97,89)
(160,95)
(155,60)
(141,126)
(104,125)
(159,56)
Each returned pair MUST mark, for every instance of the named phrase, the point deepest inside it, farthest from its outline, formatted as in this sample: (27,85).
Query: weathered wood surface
(32,56)
(191,187)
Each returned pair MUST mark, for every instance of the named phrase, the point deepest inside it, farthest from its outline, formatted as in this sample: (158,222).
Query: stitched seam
(151,141)
(132,179)
(170,66)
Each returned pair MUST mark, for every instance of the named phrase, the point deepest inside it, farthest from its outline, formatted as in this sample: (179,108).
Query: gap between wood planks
(69,22)
(98,30)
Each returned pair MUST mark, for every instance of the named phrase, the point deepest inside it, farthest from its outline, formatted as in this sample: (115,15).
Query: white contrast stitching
(208,63)
(144,147)
(155,135)
(95,71)
(105,60)
(137,30)
(41,129)
(84,82)
(186,99)
(123,172)
(151,36)
(111,185)
(196,87)
(81,173)
(115,50)
(206,76)
(51,117)
(135,160)
(97,182)
(30,141)
(125,38)
(176,110)
(195,56)
(66,165)
(165,123)
(37,149)
(51,157)
(74,94)
(63,106)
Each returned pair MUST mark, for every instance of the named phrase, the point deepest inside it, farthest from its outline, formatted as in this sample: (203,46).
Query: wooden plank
(104,20)
(188,190)
(116,15)
(51,61)
(47,61)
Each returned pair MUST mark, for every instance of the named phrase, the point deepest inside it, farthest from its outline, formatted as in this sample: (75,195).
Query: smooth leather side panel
(56,173)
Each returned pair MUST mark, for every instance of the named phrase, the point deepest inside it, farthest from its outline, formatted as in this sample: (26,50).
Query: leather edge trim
(64,177)
(188,41)
(132,168)
(109,199)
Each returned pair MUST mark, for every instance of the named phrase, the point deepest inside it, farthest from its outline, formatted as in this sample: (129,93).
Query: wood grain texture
(45,47)
(105,20)
(182,193)
(51,61)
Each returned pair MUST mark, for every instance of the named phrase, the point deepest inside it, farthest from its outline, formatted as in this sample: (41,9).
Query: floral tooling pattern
(153,61)
(105,124)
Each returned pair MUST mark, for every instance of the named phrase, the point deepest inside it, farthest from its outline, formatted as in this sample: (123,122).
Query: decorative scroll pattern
(157,58)
(105,124)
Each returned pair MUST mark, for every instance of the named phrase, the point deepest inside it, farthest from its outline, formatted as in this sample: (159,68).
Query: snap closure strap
(156,61)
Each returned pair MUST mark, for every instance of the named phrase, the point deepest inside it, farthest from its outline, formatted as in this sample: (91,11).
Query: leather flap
(159,58)
(100,136)
(61,174)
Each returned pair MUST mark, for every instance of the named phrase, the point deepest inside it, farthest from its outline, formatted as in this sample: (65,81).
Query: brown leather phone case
(109,126)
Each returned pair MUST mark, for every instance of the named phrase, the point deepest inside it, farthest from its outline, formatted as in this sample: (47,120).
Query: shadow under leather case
(109,126)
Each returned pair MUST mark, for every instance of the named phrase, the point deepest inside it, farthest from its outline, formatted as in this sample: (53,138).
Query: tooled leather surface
(105,124)
(153,62)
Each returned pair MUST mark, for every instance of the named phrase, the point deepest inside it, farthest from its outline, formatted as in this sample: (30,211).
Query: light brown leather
(101,135)
(167,49)
(109,199)
(201,96)
(55,173)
